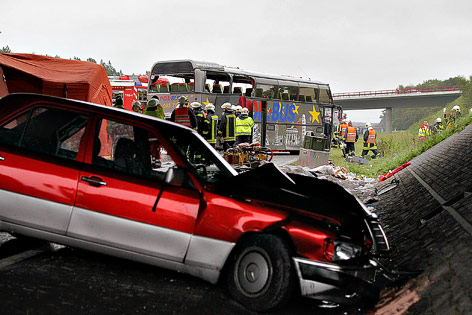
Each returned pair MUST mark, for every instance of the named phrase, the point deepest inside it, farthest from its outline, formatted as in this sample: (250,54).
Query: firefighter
(238,109)
(183,115)
(438,126)
(342,130)
(424,131)
(350,137)
(210,125)
(137,107)
(370,141)
(227,126)
(244,125)
(199,115)
(119,102)
(154,108)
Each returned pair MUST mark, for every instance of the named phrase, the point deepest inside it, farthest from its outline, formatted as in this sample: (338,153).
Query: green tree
(91,60)
(110,69)
(466,87)
(403,118)
(5,50)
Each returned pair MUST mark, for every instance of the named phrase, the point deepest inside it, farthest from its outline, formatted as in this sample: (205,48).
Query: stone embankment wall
(428,220)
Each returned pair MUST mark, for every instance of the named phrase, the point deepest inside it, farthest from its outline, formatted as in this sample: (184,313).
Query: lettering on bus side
(277,112)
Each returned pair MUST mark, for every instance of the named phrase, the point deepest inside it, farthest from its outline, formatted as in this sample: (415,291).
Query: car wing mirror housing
(175,176)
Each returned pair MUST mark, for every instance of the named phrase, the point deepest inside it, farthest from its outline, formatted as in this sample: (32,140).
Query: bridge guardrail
(397,91)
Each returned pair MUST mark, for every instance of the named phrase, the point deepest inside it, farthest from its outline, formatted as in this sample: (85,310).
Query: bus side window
(325,97)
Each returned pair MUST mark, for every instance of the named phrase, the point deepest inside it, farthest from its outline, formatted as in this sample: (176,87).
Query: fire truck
(130,88)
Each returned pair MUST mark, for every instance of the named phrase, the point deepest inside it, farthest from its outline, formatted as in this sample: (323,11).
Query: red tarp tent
(75,79)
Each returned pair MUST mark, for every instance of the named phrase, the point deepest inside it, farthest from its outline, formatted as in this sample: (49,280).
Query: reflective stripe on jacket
(369,139)
(244,126)
(351,134)
(342,129)
(372,135)
(210,128)
(227,126)
(182,117)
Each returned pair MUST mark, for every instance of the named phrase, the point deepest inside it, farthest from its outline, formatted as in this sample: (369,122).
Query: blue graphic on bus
(280,112)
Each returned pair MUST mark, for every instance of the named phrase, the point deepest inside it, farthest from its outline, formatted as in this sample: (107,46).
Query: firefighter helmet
(244,111)
(438,120)
(226,105)
(210,106)
(153,102)
(196,105)
(368,125)
(456,108)
(238,108)
(183,100)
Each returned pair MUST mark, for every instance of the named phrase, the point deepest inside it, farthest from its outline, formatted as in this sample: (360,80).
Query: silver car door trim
(128,234)
(210,275)
(208,252)
(34,212)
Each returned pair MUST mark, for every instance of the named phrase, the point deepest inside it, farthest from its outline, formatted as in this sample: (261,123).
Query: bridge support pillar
(388,120)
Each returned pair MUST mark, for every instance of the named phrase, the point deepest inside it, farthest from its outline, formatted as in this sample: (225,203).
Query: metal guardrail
(397,92)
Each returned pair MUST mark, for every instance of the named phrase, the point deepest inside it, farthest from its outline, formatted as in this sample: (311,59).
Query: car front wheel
(261,274)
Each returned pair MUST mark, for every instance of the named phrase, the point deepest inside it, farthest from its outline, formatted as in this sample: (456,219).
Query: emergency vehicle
(129,89)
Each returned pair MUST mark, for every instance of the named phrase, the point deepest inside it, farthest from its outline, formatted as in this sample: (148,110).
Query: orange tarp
(75,79)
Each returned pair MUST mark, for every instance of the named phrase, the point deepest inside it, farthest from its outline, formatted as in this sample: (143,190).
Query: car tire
(261,275)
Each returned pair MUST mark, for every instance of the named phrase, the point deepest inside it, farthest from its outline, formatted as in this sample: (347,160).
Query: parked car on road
(142,188)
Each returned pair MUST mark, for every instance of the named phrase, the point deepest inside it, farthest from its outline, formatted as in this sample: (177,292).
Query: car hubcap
(253,272)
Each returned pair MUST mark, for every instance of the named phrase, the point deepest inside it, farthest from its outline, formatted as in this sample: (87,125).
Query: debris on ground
(390,173)
(336,171)
(359,185)
(355,159)
(302,170)
(393,184)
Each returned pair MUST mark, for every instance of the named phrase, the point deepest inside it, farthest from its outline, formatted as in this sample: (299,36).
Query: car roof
(19,101)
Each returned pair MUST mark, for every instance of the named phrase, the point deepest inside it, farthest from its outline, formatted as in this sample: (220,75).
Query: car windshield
(205,161)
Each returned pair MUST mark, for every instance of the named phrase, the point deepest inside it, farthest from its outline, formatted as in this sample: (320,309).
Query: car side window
(130,150)
(11,132)
(46,130)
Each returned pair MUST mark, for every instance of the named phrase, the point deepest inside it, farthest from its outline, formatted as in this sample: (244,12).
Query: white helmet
(210,106)
(196,105)
(368,125)
(153,102)
(456,108)
(226,105)
(244,110)
(238,108)
(183,100)
(438,120)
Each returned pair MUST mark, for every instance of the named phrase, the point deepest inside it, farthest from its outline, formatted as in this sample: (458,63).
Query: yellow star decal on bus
(314,115)
(206,102)
(296,109)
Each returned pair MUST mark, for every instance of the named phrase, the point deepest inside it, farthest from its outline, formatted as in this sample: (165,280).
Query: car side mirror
(175,176)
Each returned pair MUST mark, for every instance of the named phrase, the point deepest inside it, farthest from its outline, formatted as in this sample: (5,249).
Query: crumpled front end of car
(349,270)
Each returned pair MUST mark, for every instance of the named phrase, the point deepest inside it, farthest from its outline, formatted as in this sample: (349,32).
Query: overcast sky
(356,45)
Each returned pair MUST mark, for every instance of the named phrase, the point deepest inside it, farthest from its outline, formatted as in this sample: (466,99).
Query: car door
(39,167)
(121,201)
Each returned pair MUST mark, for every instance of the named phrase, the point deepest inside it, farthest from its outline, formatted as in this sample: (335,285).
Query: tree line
(403,118)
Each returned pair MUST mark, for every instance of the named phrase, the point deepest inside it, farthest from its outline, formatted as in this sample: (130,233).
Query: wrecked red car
(137,187)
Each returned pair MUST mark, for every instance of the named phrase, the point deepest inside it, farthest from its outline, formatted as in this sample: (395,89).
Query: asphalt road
(43,278)
(50,279)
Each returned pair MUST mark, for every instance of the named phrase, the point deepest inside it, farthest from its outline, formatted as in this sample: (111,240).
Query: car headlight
(345,251)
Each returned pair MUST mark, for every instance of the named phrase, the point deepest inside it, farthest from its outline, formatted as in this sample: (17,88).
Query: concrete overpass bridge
(388,99)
